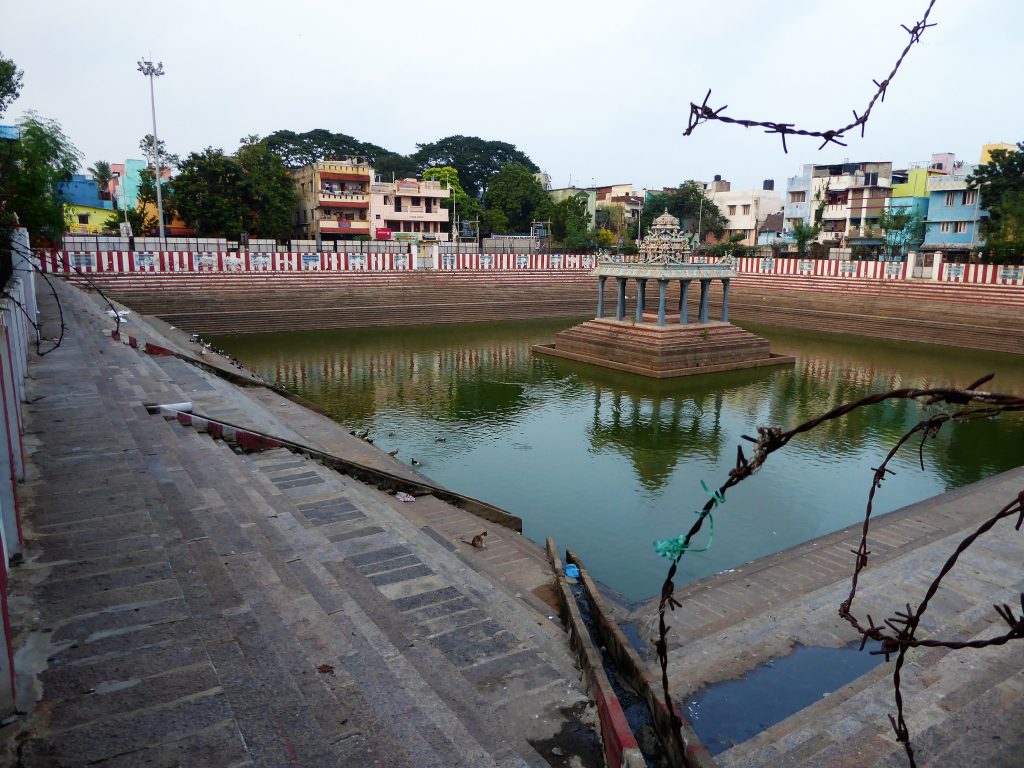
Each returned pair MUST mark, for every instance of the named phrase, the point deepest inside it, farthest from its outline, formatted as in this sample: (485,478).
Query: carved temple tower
(659,343)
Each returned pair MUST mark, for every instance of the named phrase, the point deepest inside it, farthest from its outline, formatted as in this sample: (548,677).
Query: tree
(167,159)
(466,208)
(224,196)
(43,158)
(570,221)
(690,205)
(10,83)
(474,158)
(271,191)
(804,233)
(143,223)
(519,197)
(392,165)
(299,149)
(102,174)
(212,194)
(1000,184)
(903,227)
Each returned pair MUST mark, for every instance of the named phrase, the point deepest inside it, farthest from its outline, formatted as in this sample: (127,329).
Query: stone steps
(214,608)
(982,317)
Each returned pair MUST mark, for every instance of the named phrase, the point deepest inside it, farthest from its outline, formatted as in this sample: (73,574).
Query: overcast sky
(592,90)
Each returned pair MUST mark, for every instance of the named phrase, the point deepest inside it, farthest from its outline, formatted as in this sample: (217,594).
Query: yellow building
(85,219)
(986,151)
(334,200)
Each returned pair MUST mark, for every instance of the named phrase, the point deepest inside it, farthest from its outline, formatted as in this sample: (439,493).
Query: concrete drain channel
(637,729)
(728,713)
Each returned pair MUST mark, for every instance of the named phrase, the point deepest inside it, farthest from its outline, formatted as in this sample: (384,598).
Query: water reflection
(654,433)
(606,462)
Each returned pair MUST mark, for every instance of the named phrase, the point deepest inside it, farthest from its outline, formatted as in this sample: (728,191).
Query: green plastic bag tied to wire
(674,548)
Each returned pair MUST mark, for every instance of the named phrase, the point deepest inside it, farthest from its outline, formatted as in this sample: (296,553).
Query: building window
(732,210)
(959,227)
(944,227)
(950,198)
(83,218)
(970,196)
(798,197)
(746,210)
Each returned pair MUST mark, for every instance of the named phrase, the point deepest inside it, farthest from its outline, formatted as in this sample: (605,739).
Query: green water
(607,462)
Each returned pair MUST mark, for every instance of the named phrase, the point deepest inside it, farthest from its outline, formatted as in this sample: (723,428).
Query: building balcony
(416,213)
(342,200)
(343,227)
(327,167)
(834,211)
(866,231)
(410,189)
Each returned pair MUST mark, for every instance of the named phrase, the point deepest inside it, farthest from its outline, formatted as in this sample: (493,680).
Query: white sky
(593,89)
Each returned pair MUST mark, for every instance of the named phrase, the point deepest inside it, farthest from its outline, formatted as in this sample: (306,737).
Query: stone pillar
(620,302)
(641,297)
(705,286)
(725,300)
(662,288)
(684,308)
(600,295)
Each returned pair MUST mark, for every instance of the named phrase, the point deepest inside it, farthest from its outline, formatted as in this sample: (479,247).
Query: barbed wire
(896,634)
(28,257)
(702,113)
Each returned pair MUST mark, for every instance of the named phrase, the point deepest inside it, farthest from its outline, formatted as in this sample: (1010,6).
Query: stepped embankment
(984,317)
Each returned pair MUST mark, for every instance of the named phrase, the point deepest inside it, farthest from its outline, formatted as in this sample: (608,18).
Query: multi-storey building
(850,197)
(745,209)
(88,207)
(910,195)
(798,199)
(620,204)
(408,209)
(333,200)
(954,215)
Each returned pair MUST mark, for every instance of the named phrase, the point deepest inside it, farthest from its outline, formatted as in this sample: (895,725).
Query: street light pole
(148,70)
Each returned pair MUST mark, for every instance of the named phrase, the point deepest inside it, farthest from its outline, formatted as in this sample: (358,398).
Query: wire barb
(897,634)
(702,113)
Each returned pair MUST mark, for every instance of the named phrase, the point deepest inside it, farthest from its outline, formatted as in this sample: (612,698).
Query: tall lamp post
(148,70)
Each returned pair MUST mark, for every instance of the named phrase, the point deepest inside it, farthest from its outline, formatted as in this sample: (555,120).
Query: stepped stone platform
(664,351)
(963,707)
(184,604)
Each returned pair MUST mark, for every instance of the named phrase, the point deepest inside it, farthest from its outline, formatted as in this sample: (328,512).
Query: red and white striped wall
(877,270)
(507,262)
(985,274)
(63,262)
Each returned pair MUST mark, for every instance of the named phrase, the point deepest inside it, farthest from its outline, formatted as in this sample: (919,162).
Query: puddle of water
(729,713)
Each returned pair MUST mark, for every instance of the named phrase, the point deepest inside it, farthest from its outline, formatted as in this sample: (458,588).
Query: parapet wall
(131,262)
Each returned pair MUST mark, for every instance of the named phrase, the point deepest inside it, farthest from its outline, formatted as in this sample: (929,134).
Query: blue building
(798,199)
(954,216)
(87,210)
(83,192)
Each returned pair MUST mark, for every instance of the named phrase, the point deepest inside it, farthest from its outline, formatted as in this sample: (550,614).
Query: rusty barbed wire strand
(896,635)
(702,113)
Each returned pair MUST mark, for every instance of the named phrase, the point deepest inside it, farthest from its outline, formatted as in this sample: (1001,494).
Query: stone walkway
(962,707)
(187,605)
